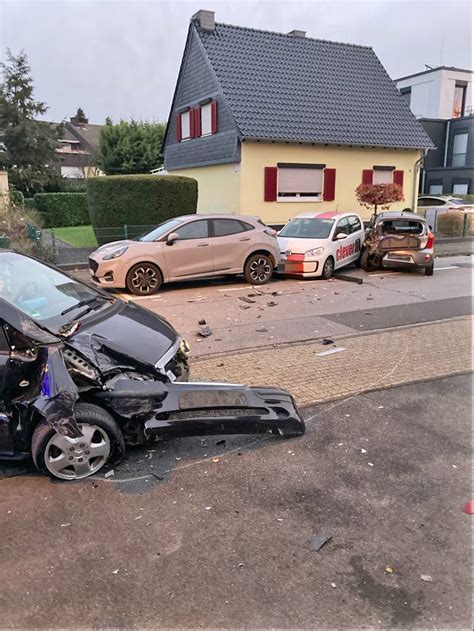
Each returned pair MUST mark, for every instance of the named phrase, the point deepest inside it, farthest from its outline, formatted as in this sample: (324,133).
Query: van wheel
(77,458)
(429,271)
(258,269)
(144,279)
(328,268)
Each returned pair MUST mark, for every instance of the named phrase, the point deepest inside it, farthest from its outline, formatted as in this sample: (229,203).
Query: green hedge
(455,224)
(62,209)
(118,200)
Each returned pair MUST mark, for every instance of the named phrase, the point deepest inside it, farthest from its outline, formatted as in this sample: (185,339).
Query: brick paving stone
(370,362)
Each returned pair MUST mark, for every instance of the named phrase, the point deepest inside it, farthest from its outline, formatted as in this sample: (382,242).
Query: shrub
(17,198)
(455,224)
(62,209)
(119,200)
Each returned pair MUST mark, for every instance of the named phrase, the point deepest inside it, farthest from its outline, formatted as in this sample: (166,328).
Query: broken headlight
(184,348)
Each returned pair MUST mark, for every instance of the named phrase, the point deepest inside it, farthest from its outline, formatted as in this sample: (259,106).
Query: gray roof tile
(299,89)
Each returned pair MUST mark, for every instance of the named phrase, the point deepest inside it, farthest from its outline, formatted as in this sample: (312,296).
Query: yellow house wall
(349,163)
(218,187)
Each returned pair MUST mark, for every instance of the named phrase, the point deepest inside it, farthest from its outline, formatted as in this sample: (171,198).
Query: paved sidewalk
(370,361)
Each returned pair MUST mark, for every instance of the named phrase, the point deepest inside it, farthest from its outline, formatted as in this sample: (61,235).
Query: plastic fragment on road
(207,507)
(115,571)
(261,329)
(371,464)
(318,541)
(427,578)
(331,351)
(363,451)
(109,474)
(65,525)
(333,585)
(245,299)
(469,508)
(204,331)
(388,569)
(326,341)
(349,279)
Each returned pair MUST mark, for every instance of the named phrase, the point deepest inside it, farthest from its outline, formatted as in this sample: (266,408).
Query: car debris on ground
(318,541)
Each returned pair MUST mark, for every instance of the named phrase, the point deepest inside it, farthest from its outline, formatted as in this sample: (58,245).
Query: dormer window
(186,125)
(206,119)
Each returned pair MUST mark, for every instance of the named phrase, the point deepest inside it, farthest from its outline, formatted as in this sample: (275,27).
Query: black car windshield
(161,230)
(308,228)
(43,293)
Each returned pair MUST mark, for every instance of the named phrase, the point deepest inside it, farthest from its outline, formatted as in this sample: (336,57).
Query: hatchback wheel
(76,458)
(328,268)
(144,279)
(258,269)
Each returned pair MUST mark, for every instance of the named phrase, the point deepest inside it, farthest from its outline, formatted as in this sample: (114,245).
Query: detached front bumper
(196,409)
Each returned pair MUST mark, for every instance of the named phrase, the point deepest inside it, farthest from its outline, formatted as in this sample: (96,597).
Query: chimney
(206,20)
(296,33)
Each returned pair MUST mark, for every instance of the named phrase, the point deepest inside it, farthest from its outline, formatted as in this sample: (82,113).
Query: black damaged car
(83,374)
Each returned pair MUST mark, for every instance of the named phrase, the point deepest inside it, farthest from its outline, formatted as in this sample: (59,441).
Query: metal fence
(454,223)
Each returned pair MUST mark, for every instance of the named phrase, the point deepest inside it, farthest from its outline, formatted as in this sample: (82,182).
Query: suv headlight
(314,252)
(115,253)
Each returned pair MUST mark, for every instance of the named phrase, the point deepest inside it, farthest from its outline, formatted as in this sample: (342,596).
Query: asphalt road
(223,538)
(309,309)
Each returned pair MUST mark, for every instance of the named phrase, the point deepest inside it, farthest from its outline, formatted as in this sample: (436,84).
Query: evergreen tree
(28,151)
(130,147)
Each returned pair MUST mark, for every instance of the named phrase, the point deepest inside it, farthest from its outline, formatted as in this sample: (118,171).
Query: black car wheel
(144,279)
(328,268)
(366,262)
(77,458)
(429,271)
(258,269)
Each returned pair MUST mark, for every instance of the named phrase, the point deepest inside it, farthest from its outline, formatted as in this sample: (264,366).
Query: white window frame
(435,189)
(460,141)
(464,192)
(206,119)
(299,197)
(186,118)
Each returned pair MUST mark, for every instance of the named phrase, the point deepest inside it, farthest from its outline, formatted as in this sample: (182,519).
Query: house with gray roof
(275,124)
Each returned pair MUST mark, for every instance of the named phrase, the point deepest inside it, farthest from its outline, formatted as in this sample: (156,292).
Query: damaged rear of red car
(74,400)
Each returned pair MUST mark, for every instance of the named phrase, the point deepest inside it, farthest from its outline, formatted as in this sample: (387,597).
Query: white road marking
(439,269)
(234,288)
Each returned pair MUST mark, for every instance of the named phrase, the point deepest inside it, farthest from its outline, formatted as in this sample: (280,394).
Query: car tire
(429,271)
(258,269)
(328,268)
(102,437)
(366,262)
(144,279)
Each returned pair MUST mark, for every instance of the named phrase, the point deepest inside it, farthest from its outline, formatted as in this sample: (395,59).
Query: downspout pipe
(418,164)
(446,142)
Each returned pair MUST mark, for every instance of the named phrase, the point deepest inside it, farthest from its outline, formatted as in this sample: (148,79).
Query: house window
(300,183)
(186,125)
(459,150)
(459,100)
(75,173)
(206,119)
(460,189)
(435,189)
(406,93)
(382,176)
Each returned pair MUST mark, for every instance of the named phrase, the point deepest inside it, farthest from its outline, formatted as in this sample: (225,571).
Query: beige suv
(188,247)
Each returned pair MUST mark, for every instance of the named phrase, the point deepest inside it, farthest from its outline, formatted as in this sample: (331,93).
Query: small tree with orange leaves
(375,196)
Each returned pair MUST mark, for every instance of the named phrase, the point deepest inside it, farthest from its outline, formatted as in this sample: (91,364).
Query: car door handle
(245,239)
(202,245)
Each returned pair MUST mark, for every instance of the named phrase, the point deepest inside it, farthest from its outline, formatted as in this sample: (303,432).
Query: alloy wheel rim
(145,280)
(328,267)
(76,458)
(260,269)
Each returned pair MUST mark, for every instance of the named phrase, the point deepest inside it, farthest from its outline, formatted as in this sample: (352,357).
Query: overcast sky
(121,59)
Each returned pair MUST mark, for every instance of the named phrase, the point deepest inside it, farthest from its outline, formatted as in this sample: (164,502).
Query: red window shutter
(271,174)
(398,178)
(367,176)
(197,122)
(179,135)
(329,191)
(191,124)
(214,117)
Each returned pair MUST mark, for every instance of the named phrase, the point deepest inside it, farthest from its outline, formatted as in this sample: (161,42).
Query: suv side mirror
(172,237)
(340,235)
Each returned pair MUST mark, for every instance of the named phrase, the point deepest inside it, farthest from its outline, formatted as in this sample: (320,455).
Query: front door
(348,249)
(5,439)
(191,254)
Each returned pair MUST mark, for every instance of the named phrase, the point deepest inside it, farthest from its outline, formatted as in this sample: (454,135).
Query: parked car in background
(314,245)
(444,202)
(83,374)
(188,247)
(398,240)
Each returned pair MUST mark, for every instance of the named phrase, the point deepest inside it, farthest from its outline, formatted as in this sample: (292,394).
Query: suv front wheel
(258,269)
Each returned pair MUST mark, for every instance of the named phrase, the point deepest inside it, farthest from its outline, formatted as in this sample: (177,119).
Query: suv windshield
(161,230)
(43,293)
(308,228)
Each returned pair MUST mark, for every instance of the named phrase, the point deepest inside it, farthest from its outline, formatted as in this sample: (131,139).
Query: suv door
(191,254)
(231,244)
(5,438)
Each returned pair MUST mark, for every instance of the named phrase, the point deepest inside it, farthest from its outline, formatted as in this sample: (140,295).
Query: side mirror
(340,235)
(172,237)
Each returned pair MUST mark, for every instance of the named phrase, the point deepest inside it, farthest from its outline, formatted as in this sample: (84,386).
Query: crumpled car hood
(125,334)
